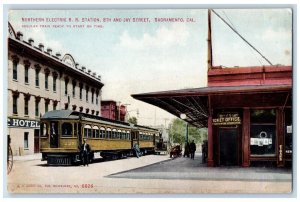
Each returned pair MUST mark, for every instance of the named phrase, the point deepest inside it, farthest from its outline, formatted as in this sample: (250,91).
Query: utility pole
(209,45)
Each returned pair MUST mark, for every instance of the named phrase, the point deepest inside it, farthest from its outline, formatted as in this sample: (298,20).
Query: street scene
(151,174)
(149,101)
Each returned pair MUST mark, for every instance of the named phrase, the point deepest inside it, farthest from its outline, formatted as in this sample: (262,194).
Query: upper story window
(15,97)
(73,88)
(26,71)
(15,70)
(37,106)
(97,97)
(37,73)
(66,86)
(26,104)
(47,105)
(15,60)
(46,81)
(80,91)
(15,104)
(87,94)
(93,95)
(26,75)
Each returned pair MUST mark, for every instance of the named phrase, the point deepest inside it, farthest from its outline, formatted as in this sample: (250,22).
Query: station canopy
(196,102)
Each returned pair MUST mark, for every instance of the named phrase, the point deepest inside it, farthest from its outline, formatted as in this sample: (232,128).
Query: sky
(140,57)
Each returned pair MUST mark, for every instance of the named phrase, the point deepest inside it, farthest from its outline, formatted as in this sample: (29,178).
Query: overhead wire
(234,30)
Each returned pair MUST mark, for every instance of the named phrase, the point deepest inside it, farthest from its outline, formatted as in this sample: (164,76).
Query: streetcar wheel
(9,160)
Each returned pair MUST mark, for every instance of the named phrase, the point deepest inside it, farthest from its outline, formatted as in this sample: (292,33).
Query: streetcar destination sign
(22,123)
(227,119)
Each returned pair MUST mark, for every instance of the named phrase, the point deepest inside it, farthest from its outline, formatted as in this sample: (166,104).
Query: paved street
(148,174)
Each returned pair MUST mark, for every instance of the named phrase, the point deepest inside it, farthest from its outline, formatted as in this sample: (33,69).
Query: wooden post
(280,137)
(209,46)
(210,157)
(246,138)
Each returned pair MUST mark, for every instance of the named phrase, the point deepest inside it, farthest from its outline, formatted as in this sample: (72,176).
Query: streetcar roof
(74,115)
(58,114)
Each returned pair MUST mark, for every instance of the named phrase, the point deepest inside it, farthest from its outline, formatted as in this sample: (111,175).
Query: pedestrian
(136,150)
(204,151)
(192,149)
(186,150)
(85,151)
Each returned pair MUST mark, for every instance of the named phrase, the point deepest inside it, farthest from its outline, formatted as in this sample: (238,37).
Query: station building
(247,110)
(40,81)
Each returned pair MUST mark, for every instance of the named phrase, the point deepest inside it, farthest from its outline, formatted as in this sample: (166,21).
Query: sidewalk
(37,156)
(188,169)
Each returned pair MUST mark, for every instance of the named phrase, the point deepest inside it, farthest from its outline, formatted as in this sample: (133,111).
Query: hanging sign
(263,139)
(22,123)
(227,119)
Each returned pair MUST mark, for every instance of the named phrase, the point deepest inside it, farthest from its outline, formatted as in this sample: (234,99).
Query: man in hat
(85,151)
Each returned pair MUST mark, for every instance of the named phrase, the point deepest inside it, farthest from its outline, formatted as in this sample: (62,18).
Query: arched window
(127,135)
(96,132)
(114,134)
(87,131)
(108,133)
(102,132)
(119,136)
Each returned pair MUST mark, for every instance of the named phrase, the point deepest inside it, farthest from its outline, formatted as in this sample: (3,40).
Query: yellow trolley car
(63,131)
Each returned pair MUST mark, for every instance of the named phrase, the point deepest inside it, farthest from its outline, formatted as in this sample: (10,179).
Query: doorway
(36,140)
(228,146)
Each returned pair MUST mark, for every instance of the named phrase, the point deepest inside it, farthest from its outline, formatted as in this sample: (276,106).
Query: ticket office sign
(224,119)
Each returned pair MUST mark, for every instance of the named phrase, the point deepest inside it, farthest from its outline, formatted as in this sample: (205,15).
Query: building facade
(40,81)
(247,110)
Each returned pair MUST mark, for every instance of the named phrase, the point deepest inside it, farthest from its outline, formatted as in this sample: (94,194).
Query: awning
(195,102)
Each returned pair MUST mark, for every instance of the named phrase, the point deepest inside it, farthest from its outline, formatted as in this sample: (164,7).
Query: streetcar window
(119,134)
(87,131)
(44,129)
(102,132)
(66,129)
(114,134)
(108,133)
(95,132)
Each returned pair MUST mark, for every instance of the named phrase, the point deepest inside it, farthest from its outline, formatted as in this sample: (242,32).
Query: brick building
(111,110)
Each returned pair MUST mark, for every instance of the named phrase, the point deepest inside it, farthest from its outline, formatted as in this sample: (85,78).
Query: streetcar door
(54,134)
(79,134)
(134,138)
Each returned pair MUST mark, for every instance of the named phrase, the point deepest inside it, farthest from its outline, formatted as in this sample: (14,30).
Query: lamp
(183,117)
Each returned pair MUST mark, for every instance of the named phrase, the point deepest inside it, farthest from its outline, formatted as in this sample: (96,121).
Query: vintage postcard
(149,101)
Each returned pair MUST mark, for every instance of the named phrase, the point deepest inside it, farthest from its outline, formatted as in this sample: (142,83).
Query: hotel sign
(22,123)
(224,119)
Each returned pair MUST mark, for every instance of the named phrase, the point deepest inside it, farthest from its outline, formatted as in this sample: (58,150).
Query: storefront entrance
(228,146)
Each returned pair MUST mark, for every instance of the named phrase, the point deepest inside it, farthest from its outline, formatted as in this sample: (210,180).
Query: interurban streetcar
(63,131)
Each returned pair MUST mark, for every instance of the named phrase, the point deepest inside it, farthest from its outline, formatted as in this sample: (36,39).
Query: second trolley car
(63,131)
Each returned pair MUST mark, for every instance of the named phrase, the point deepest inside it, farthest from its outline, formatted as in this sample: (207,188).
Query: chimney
(94,74)
(20,36)
(83,68)
(99,77)
(76,65)
(49,50)
(58,54)
(89,71)
(41,47)
(31,41)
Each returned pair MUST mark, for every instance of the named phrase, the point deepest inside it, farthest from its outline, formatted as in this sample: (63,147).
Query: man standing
(192,149)
(85,151)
